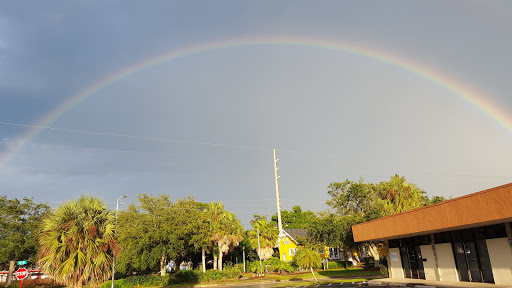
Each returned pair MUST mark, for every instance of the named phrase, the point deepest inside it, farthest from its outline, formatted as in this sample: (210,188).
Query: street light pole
(259,250)
(115,228)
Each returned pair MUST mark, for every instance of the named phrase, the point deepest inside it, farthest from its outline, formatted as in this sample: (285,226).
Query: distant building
(464,239)
(287,244)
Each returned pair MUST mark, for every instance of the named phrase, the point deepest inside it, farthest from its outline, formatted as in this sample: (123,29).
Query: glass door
(412,262)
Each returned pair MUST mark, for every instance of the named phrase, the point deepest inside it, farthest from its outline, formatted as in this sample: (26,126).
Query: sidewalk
(427,283)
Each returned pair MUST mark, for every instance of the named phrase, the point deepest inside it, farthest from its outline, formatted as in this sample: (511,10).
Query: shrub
(119,283)
(384,271)
(339,264)
(253,266)
(211,275)
(276,265)
(233,272)
(186,276)
(145,280)
(138,280)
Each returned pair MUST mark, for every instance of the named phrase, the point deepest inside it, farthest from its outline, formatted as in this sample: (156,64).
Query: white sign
(394,256)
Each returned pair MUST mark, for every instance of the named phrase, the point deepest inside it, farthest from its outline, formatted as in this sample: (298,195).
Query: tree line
(77,242)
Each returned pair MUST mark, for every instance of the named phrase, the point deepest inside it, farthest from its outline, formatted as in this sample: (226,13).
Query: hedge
(339,264)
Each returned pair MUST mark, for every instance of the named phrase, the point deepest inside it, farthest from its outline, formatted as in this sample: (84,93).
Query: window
(334,253)
(292,251)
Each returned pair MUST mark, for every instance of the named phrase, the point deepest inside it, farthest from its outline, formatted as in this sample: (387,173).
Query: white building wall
(396,263)
(500,254)
(429,266)
(447,268)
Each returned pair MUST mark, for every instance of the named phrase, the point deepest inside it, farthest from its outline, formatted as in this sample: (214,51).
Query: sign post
(21,274)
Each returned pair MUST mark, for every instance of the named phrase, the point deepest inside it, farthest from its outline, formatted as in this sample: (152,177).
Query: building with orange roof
(468,238)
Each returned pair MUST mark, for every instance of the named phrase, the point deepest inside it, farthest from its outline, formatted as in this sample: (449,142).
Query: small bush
(339,264)
(234,272)
(186,276)
(118,283)
(253,267)
(211,275)
(384,271)
(137,280)
(276,265)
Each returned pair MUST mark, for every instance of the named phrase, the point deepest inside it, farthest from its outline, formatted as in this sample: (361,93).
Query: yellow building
(287,244)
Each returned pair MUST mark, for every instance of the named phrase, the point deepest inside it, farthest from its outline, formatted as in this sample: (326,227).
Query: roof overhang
(487,207)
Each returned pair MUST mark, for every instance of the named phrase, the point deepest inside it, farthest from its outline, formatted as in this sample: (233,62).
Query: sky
(112,98)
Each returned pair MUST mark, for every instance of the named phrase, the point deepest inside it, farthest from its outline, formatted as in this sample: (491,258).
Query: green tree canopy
(333,231)
(357,202)
(19,229)
(371,201)
(78,241)
(157,230)
(296,218)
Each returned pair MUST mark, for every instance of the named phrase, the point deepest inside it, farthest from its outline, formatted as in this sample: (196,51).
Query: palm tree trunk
(215,262)
(78,283)
(204,260)
(220,260)
(313,274)
(374,250)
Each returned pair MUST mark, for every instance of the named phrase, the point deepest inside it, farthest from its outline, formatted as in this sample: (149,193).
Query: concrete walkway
(427,283)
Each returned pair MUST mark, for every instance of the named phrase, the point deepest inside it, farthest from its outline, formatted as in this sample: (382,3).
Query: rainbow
(408,65)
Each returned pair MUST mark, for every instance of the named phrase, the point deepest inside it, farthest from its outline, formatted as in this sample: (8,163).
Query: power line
(31,168)
(133,136)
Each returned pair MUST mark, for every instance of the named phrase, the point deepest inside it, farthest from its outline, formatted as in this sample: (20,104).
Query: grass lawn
(350,272)
(312,283)
(299,279)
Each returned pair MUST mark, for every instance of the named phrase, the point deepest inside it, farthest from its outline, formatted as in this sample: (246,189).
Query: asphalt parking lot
(330,285)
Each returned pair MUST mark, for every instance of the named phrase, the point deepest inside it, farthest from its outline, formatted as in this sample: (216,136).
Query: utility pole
(279,223)
(115,229)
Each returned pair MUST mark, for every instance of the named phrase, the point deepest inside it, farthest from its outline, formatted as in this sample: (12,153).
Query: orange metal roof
(487,207)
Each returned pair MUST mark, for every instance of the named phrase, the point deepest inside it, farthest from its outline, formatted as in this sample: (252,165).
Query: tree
(367,201)
(334,231)
(295,219)
(354,198)
(201,239)
(157,230)
(19,231)
(308,258)
(78,242)
(267,237)
(400,196)
(225,230)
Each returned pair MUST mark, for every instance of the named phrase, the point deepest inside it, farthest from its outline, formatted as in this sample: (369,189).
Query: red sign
(21,274)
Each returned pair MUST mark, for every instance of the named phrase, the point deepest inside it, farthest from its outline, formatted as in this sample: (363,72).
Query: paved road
(330,285)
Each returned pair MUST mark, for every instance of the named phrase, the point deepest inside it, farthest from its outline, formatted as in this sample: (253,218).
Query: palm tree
(225,230)
(307,258)
(268,237)
(78,241)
